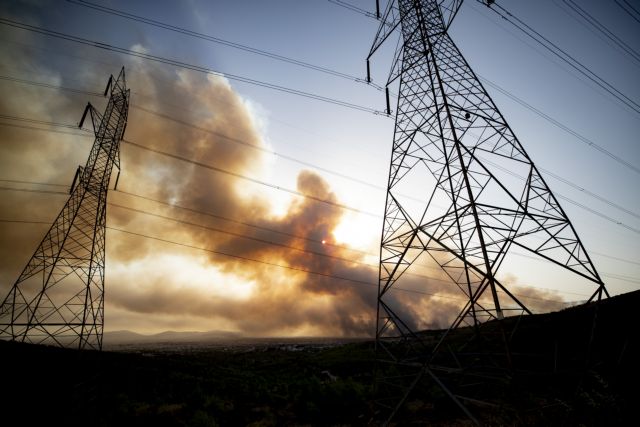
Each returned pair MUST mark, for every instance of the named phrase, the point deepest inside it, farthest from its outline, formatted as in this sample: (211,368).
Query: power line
(301,237)
(244,236)
(289,158)
(567,199)
(631,6)
(191,125)
(29,190)
(585,191)
(354,8)
(50,86)
(558,124)
(217,169)
(35,121)
(240,235)
(175,206)
(219,40)
(247,224)
(256,147)
(17,181)
(562,126)
(339,205)
(616,258)
(631,11)
(342,206)
(556,176)
(269,242)
(616,276)
(288,267)
(288,234)
(254,180)
(564,56)
(242,142)
(220,170)
(235,221)
(602,29)
(186,66)
(610,275)
(44,130)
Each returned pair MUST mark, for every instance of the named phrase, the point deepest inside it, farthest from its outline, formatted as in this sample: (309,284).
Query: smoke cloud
(228,261)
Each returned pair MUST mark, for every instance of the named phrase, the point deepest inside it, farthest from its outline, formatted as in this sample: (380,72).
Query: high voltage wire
(254,180)
(628,9)
(284,233)
(50,86)
(564,56)
(17,181)
(269,242)
(560,125)
(223,171)
(289,158)
(520,101)
(256,147)
(176,206)
(312,272)
(245,236)
(247,224)
(550,119)
(29,190)
(342,206)
(288,267)
(44,130)
(173,205)
(235,221)
(559,178)
(573,202)
(187,66)
(219,40)
(602,29)
(35,121)
(354,8)
(611,275)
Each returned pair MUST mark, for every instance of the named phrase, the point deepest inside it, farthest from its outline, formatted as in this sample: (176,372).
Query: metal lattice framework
(452,144)
(59,297)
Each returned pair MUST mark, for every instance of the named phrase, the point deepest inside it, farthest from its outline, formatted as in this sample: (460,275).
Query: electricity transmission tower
(478,195)
(59,297)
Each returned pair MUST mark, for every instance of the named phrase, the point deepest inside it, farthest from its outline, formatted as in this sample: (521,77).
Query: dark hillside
(274,384)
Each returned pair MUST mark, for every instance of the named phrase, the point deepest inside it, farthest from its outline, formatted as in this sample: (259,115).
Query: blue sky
(352,143)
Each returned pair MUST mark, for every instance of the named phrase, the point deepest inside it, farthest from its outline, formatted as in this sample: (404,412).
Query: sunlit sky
(328,151)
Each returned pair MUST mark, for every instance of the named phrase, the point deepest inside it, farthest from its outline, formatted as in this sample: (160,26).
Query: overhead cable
(187,66)
(191,33)
(564,56)
(342,206)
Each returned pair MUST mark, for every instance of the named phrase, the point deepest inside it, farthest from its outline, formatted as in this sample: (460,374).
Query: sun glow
(357,231)
(188,272)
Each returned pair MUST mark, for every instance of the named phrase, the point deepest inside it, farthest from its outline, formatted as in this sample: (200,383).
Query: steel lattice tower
(452,143)
(59,297)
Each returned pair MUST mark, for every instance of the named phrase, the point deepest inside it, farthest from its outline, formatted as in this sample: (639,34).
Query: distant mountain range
(129,337)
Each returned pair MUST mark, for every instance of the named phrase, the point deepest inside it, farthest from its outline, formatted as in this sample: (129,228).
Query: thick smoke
(254,272)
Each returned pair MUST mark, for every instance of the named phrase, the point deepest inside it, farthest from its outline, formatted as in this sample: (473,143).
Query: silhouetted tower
(59,297)
(461,193)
